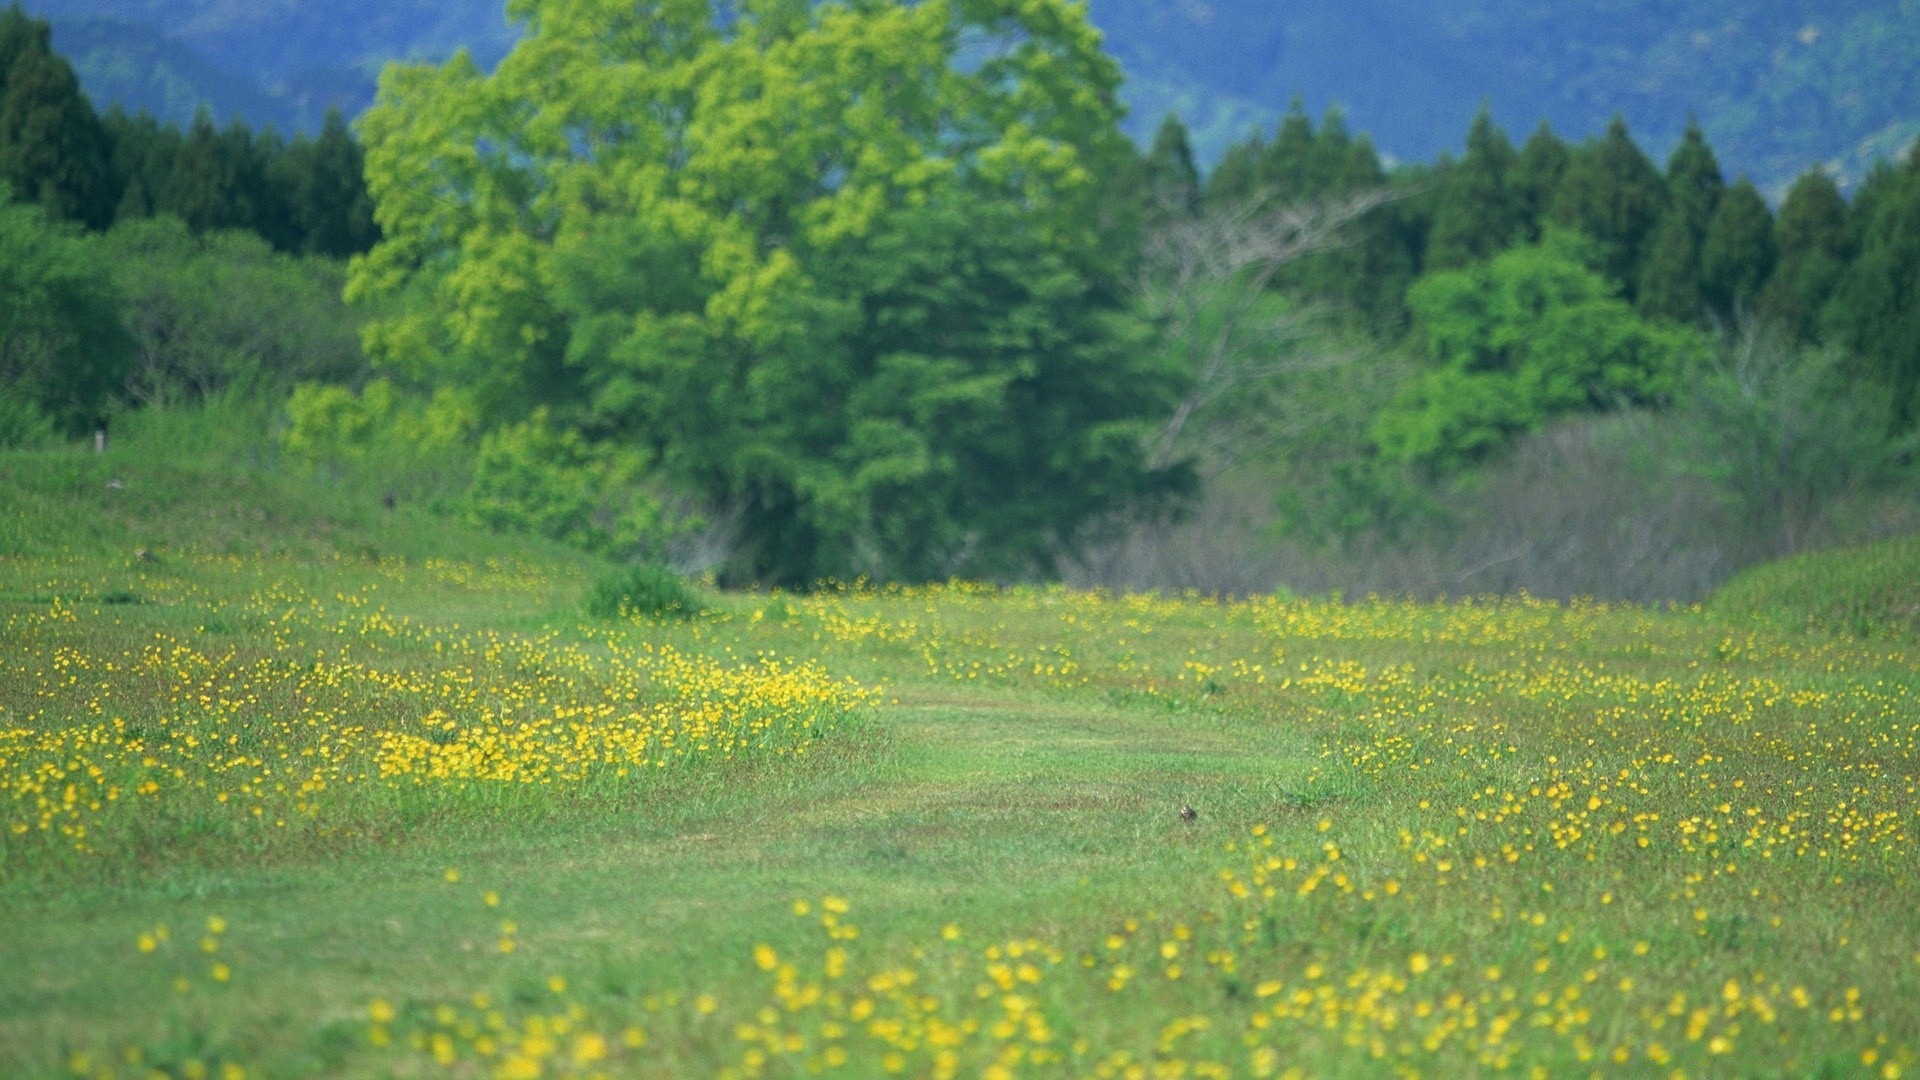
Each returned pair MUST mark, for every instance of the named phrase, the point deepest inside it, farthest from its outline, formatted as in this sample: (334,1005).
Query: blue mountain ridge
(1778,87)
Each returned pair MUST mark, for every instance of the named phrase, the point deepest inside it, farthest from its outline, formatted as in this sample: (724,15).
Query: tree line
(830,290)
(305,196)
(1683,244)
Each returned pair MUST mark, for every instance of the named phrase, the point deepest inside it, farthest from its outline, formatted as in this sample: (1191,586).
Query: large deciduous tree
(840,269)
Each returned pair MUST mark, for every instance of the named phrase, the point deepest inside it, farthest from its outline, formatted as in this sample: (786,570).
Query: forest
(872,291)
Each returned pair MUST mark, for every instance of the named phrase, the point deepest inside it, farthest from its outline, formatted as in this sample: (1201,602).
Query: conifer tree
(1613,194)
(1171,181)
(143,156)
(1670,277)
(1737,256)
(1479,213)
(1536,177)
(209,186)
(1810,239)
(53,150)
(1876,309)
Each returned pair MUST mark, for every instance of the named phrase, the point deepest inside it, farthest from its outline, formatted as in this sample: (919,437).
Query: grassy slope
(1021,780)
(1868,591)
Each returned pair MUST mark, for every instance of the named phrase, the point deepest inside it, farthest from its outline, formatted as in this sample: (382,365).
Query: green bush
(643,590)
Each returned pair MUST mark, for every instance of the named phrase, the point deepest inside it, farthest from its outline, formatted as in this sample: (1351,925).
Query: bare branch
(1204,278)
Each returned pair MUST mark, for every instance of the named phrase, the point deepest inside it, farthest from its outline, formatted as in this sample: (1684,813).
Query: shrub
(643,590)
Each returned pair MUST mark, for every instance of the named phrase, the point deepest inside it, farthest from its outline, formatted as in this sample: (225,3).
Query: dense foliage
(892,343)
(864,289)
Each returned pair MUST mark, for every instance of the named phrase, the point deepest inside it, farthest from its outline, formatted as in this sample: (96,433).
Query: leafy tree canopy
(840,269)
(1534,333)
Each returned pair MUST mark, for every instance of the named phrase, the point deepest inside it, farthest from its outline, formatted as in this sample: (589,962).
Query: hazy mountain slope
(1777,86)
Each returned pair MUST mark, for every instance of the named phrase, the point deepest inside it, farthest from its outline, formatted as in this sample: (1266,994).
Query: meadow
(291,784)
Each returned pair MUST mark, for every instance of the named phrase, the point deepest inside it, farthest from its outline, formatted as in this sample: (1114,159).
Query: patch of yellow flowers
(333,705)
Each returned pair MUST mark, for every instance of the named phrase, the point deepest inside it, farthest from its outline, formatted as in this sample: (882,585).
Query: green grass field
(291,784)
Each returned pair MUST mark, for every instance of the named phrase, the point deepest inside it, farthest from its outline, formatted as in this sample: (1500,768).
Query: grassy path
(1004,815)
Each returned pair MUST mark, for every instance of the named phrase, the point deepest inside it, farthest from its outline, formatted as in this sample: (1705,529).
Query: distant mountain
(1777,87)
(277,62)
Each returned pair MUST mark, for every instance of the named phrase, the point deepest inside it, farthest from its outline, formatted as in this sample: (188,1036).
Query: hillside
(1776,87)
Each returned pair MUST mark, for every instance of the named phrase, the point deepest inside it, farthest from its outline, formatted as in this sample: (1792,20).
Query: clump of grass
(645,591)
(1868,591)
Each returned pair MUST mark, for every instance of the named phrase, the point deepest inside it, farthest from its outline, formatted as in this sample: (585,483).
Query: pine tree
(1236,176)
(1670,277)
(143,154)
(1875,311)
(209,185)
(1737,256)
(1810,237)
(1612,193)
(53,150)
(1286,170)
(1536,178)
(1479,213)
(1171,181)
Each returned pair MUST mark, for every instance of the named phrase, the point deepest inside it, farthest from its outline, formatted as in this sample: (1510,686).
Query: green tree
(1810,241)
(53,149)
(215,310)
(63,348)
(1737,256)
(1479,213)
(1670,277)
(1613,194)
(143,157)
(1170,180)
(1875,310)
(323,180)
(838,269)
(215,180)
(1536,177)
(1532,334)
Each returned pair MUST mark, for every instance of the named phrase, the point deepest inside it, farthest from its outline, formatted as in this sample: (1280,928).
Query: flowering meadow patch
(1531,839)
(318,715)
(1582,840)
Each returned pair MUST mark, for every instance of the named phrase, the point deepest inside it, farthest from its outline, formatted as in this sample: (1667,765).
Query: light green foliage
(62,346)
(532,477)
(839,268)
(645,590)
(1534,333)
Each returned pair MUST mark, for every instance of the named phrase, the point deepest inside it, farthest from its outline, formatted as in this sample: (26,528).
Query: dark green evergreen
(1536,177)
(1612,193)
(1170,180)
(1876,309)
(1810,241)
(1738,254)
(53,150)
(1479,213)
(211,185)
(1670,276)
